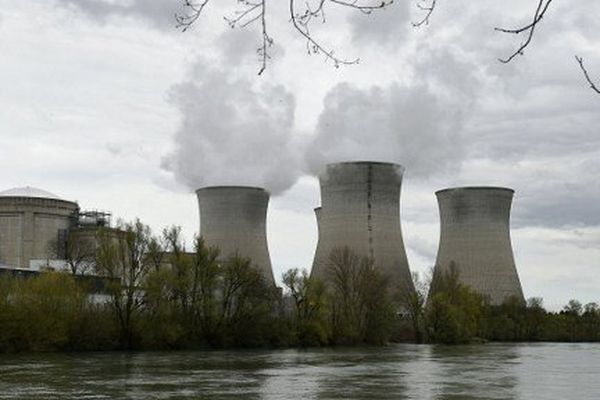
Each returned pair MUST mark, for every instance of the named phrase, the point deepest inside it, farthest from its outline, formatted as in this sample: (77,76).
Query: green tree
(454,311)
(42,311)
(310,305)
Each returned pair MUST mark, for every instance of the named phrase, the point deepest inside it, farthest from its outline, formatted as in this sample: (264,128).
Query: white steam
(233,132)
(408,125)
(236,132)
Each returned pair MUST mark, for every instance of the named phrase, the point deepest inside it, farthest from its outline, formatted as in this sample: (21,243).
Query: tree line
(158,294)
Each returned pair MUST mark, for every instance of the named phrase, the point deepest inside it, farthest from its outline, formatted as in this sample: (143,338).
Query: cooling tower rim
(365,162)
(233,187)
(478,188)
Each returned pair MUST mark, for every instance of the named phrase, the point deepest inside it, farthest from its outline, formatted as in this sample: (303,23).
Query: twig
(428,12)
(267,41)
(541,9)
(255,11)
(184,21)
(587,76)
(301,22)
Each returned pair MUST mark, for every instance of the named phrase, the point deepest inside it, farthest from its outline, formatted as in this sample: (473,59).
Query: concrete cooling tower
(475,236)
(233,218)
(31,222)
(360,209)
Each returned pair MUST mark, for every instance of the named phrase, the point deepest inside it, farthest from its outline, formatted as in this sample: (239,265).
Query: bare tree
(301,18)
(413,301)
(122,258)
(77,248)
(308,294)
(359,298)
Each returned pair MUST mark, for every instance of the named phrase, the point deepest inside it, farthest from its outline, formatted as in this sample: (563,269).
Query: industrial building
(36,227)
(31,222)
(475,238)
(234,219)
(360,209)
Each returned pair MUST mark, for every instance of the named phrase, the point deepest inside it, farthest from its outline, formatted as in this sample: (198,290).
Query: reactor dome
(32,224)
(28,191)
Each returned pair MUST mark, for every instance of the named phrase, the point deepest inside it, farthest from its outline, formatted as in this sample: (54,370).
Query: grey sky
(106,103)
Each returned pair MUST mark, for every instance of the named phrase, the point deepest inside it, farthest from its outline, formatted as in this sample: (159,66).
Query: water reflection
(492,371)
(474,372)
(367,373)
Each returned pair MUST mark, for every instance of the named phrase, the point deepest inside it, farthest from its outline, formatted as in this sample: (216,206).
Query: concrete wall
(28,225)
(361,210)
(233,218)
(475,235)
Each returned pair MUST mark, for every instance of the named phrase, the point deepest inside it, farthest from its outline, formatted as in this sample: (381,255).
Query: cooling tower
(360,209)
(233,218)
(33,225)
(475,236)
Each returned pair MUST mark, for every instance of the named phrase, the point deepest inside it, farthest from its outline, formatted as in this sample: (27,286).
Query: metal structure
(94,218)
(360,209)
(32,222)
(475,238)
(233,218)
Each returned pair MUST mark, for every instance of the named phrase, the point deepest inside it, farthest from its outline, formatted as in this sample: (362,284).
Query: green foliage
(45,313)
(309,316)
(192,299)
(164,297)
(353,308)
(454,312)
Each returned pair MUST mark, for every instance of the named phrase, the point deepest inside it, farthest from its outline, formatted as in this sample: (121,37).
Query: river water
(491,371)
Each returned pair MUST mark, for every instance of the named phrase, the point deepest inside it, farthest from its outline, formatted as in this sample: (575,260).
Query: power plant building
(33,224)
(475,238)
(233,218)
(360,210)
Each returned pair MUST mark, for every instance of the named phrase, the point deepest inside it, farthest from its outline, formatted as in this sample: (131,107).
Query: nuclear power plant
(475,238)
(234,219)
(360,209)
(31,222)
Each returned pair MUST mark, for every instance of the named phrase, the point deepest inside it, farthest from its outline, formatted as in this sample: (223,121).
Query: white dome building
(31,220)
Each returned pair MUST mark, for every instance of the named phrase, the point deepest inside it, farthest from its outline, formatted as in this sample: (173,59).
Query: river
(491,371)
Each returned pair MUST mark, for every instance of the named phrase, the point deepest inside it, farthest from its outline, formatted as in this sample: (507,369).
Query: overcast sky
(106,103)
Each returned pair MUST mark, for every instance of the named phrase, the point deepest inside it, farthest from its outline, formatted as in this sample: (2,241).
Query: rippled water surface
(492,371)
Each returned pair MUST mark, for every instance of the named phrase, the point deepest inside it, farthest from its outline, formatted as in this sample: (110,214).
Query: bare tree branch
(541,9)
(267,41)
(254,11)
(184,21)
(428,11)
(301,22)
(586,75)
